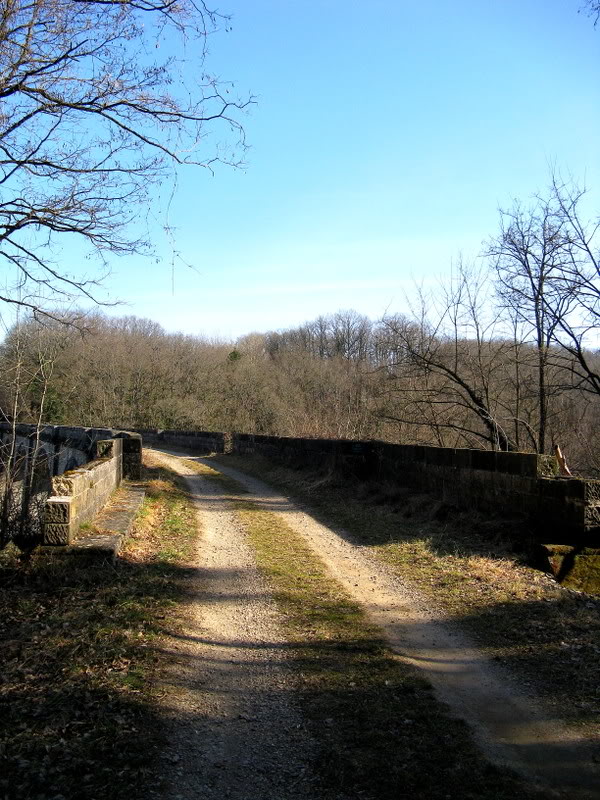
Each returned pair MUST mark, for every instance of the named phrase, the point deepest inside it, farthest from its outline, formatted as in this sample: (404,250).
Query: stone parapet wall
(81,469)
(65,447)
(561,509)
(79,494)
(198,441)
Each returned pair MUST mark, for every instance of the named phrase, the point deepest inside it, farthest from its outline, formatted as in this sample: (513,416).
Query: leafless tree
(449,363)
(574,303)
(24,469)
(592,9)
(351,335)
(92,116)
(529,255)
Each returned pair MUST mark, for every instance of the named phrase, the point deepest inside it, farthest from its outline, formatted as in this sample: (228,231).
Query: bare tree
(592,9)
(450,366)
(92,116)
(529,255)
(574,303)
(28,361)
(547,261)
(351,335)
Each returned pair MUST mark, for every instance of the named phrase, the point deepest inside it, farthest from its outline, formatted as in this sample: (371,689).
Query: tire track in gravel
(511,728)
(232,726)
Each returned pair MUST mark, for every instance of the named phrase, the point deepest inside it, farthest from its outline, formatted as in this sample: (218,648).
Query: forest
(502,354)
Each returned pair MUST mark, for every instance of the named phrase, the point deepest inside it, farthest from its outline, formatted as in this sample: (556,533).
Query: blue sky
(385,137)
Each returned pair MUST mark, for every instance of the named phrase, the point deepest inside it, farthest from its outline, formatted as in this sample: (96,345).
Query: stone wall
(198,441)
(523,484)
(564,510)
(63,447)
(79,494)
(82,466)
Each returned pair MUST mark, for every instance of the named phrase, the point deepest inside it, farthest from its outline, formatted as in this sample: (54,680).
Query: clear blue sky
(386,135)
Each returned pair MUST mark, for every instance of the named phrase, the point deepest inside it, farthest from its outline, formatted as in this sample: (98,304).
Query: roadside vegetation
(78,653)
(377,724)
(468,568)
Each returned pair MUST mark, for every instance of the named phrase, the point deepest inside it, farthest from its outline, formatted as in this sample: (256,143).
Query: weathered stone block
(462,458)
(592,515)
(132,467)
(105,448)
(483,459)
(131,457)
(58,510)
(62,485)
(57,534)
(592,493)
(131,444)
(547,466)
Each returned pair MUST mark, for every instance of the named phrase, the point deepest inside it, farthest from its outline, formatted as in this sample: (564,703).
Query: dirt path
(512,728)
(234,731)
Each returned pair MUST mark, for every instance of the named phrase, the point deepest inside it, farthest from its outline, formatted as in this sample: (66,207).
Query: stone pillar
(132,457)
(58,521)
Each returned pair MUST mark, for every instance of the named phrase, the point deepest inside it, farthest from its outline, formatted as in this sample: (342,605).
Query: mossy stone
(575,568)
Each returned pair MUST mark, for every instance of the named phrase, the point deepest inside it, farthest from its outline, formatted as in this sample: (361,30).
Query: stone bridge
(81,467)
(562,514)
(59,477)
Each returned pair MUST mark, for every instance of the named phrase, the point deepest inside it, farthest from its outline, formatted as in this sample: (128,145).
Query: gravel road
(233,704)
(234,730)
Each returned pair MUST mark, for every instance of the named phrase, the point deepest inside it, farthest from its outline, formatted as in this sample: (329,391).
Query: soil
(231,705)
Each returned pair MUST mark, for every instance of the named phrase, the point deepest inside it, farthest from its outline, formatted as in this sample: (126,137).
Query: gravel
(235,727)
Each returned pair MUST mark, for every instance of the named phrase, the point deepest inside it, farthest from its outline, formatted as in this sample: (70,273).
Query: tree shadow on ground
(77,717)
(549,635)
(378,730)
(78,721)
(551,646)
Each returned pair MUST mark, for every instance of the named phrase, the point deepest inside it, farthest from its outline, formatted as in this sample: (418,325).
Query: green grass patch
(78,654)
(380,732)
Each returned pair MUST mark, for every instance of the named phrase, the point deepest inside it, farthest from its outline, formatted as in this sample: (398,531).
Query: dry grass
(77,712)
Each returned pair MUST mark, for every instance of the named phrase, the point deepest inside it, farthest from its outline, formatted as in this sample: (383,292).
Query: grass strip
(377,723)
(79,641)
(466,564)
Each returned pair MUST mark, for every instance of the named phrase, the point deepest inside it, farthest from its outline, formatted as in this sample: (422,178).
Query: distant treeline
(340,376)
(502,356)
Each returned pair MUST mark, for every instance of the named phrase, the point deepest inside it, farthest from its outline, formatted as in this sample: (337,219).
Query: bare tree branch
(93,116)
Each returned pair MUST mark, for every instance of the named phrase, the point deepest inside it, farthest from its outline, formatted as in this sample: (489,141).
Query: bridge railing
(39,464)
